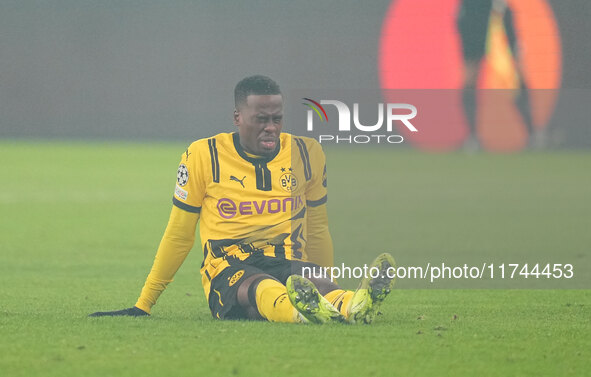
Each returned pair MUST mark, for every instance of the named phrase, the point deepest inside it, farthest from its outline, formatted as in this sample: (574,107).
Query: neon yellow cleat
(312,306)
(370,294)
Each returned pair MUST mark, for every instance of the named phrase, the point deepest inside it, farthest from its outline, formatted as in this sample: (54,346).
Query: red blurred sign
(421,48)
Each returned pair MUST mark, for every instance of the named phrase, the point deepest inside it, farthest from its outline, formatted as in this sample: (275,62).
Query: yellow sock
(273,302)
(339,298)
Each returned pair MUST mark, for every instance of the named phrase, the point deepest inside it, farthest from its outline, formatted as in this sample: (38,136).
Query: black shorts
(222,299)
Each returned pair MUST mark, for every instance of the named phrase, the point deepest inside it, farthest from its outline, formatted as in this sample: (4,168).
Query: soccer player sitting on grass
(261,197)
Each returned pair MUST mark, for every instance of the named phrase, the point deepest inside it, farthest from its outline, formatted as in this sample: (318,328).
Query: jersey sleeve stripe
(215,164)
(305,158)
(316,203)
(185,206)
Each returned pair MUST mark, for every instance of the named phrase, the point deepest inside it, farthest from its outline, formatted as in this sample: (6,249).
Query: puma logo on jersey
(241,181)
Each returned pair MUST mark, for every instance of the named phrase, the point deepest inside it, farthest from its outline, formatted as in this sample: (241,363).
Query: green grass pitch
(80,223)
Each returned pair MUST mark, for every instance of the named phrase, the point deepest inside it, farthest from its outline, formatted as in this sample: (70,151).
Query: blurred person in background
(487,29)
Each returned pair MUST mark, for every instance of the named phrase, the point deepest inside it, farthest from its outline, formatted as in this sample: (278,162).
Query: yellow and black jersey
(250,204)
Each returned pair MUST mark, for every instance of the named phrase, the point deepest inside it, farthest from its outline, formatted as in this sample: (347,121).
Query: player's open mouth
(268,144)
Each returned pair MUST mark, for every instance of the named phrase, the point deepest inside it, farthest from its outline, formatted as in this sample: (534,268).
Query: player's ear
(236,117)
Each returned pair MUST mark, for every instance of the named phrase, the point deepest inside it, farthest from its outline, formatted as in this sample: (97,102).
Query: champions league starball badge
(182,175)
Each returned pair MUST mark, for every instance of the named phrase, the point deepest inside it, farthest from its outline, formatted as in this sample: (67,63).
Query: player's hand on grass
(130,312)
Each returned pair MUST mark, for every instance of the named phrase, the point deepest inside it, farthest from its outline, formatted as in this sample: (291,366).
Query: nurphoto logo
(374,133)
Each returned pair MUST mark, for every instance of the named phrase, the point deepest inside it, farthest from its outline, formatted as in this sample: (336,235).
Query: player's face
(259,123)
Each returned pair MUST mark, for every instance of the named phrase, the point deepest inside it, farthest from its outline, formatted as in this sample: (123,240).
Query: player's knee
(246,294)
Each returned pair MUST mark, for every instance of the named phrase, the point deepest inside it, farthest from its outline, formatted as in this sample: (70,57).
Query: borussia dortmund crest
(182,175)
(288,181)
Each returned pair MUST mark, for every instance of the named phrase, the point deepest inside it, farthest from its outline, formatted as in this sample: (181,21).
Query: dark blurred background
(144,70)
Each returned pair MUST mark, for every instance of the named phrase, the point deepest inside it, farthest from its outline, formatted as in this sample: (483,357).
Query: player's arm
(319,247)
(175,245)
(319,244)
(178,238)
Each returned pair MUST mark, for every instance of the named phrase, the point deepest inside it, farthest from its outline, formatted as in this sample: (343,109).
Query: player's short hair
(258,85)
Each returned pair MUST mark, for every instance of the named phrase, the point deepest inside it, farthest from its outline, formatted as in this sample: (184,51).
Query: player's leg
(338,297)
(522,100)
(309,287)
(309,302)
(361,305)
(472,24)
(469,95)
(261,296)
(304,295)
(252,289)
(242,291)
(373,289)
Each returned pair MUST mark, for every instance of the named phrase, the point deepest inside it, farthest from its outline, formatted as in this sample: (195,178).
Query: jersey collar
(244,155)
